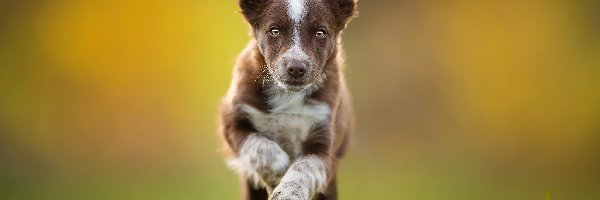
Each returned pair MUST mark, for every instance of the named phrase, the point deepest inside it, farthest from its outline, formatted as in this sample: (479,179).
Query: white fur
(295,51)
(260,159)
(305,178)
(296,12)
(290,119)
(288,124)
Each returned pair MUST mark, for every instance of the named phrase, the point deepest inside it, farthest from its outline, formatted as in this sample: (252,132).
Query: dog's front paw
(261,160)
(269,161)
(290,191)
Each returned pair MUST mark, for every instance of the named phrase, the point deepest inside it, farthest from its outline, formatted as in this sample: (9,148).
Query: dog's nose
(296,69)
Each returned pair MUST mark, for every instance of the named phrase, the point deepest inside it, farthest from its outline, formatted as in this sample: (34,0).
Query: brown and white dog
(287,115)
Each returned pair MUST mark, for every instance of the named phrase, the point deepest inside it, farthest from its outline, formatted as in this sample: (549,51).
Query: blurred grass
(455,100)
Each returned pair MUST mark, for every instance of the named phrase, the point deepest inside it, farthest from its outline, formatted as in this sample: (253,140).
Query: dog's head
(297,37)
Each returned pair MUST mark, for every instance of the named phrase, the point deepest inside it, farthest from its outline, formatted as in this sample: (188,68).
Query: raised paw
(261,160)
(290,191)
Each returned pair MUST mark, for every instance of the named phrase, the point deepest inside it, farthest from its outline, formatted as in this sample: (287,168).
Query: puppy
(287,117)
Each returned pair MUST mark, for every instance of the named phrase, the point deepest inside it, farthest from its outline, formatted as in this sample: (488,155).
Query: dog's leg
(261,160)
(251,192)
(305,178)
(308,175)
(331,191)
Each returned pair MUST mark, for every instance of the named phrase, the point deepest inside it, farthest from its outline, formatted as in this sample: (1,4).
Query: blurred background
(455,99)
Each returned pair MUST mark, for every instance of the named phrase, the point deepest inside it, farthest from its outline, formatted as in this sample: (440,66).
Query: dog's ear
(343,11)
(252,9)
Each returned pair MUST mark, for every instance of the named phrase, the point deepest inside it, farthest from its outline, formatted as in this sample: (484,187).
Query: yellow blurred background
(455,99)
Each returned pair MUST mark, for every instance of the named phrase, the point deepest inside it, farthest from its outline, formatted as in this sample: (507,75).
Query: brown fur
(252,73)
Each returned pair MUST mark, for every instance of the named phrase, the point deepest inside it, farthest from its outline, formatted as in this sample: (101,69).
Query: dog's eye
(320,33)
(274,31)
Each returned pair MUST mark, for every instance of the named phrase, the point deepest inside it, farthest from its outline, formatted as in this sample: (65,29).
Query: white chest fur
(289,121)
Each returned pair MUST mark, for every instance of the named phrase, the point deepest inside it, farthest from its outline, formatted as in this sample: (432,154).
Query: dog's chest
(289,122)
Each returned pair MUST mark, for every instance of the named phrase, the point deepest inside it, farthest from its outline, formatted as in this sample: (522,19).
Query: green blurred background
(455,99)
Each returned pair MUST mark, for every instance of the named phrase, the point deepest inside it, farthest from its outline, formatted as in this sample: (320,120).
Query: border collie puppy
(287,115)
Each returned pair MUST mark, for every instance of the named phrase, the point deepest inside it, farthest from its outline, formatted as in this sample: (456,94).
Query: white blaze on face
(296,12)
